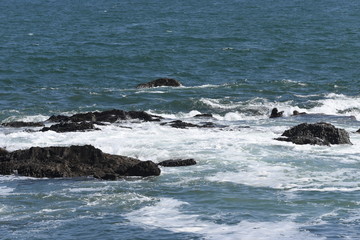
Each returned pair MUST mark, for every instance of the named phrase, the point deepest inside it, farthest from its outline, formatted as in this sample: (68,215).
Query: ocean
(236,59)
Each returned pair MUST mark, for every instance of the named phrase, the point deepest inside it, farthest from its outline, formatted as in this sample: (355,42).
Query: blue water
(236,59)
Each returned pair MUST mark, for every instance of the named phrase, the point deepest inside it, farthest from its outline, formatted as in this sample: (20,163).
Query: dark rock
(144,169)
(73,161)
(110,116)
(58,118)
(169,82)
(210,125)
(108,176)
(183,125)
(180,124)
(317,133)
(275,113)
(358,131)
(3,153)
(295,113)
(177,162)
(305,140)
(70,127)
(204,115)
(23,124)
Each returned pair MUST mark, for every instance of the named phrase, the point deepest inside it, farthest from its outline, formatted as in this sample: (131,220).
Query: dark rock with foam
(316,134)
(161,82)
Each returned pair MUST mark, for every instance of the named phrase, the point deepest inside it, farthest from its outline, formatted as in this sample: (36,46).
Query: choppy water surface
(236,60)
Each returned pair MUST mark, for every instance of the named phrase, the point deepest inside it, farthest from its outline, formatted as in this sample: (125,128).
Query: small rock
(168,82)
(275,113)
(295,113)
(177,162)
(204,115)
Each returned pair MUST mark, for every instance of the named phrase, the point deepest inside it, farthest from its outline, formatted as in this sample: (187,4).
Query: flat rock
(177,162)
(168,82)
(184,125)
(204,115)
(109,116)
(316,134)
(70,127)
(73,161)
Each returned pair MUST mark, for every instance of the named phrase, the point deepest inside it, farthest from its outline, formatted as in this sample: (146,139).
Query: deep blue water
(236,59)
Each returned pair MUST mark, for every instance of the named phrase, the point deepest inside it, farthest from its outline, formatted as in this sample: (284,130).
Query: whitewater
(236,60)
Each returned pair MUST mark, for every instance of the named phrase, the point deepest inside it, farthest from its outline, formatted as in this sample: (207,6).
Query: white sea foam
(5,190)
(167,214)
(216,103)
(338,104)
(293,82)
(31,118)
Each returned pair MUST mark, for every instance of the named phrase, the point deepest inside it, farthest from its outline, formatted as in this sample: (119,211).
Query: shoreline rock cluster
(79,161)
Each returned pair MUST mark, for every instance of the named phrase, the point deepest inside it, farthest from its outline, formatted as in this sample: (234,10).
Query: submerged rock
(22,124)
(70,127)
(73,161)
(204,115)
(177,162)
(109,116)
(181,124)
(316,134)
(169,82)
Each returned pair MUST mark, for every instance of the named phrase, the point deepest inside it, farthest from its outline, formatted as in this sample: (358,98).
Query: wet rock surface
(70,127)
(168,82)
(184,125)
(73,161)
(316,134)
(109,116)
(177,162)
(275,113)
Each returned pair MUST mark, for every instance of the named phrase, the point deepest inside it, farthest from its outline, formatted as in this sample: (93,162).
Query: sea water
(236,59)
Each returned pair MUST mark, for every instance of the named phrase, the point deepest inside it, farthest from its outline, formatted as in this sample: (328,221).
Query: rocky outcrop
(73,161)
(168,82)
(70,127)
(22,124)
(316,134)
(177,162)
(109,116)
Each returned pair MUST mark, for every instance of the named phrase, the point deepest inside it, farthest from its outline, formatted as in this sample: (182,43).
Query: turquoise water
(236,60)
